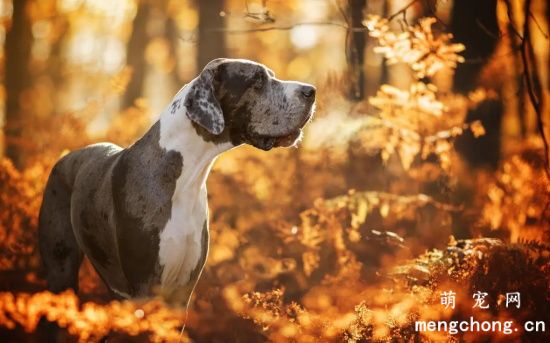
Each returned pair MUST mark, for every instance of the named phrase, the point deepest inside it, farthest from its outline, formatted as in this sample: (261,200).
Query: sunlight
(114,54)
(304,37)
(82,48)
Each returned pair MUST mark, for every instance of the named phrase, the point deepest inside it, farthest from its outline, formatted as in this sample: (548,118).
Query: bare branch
(402,11)
(532,81)
(488,32)
(432,12)
(288,27)
(511,20)
(342,12)
(545,34)
(348,26)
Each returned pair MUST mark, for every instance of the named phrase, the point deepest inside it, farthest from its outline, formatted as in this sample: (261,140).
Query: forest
(420,191)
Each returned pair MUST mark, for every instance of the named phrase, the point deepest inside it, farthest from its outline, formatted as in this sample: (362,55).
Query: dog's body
(140,214)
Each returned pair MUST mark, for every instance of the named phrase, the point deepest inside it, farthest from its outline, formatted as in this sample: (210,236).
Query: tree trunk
(135,57)
(172,35)
(17,52)
(474,24)
(56,61)
(355,48)
(211,39)
(384,74)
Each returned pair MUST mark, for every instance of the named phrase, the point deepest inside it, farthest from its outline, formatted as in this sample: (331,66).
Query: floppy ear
(201,104)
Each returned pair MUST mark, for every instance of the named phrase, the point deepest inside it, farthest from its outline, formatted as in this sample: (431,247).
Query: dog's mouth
(269,142)
(290,139)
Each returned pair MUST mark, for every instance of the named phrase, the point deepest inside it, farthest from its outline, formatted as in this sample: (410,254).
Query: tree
(211,37)
(474,24)
(135,57)
(17,52)
(355,48)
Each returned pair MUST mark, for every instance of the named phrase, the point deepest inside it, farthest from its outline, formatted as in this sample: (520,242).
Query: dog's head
(243,102)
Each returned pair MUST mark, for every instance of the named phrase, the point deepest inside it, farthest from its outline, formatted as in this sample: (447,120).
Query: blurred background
(425,169)
(67,56)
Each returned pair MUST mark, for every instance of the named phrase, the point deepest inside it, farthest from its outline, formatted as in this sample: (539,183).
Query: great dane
(140,214)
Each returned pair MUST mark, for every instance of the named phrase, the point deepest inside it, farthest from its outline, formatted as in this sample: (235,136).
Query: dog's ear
(201,104)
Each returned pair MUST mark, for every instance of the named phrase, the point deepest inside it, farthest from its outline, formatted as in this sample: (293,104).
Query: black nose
(308,91)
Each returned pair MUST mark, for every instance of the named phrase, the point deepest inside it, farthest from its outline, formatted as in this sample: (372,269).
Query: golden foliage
(90,321)
(517,200)
(410,293)
(19,200)
(418,122)
(417,46)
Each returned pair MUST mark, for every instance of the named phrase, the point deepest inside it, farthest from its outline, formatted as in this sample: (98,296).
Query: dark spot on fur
(172,165)
(175,106)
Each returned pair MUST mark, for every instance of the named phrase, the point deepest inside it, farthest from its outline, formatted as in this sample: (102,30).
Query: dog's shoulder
(79,163)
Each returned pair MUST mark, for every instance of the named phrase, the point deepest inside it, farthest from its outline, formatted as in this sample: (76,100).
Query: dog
(140,214)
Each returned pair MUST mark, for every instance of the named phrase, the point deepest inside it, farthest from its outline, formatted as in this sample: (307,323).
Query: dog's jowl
(140,214)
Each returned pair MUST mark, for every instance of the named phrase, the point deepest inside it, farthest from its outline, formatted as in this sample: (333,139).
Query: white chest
(181,247)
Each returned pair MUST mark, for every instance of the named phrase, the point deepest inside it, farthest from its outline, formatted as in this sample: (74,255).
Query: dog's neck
(177,132)
(181,239)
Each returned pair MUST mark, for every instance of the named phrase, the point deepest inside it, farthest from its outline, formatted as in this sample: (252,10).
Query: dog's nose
(308,91)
